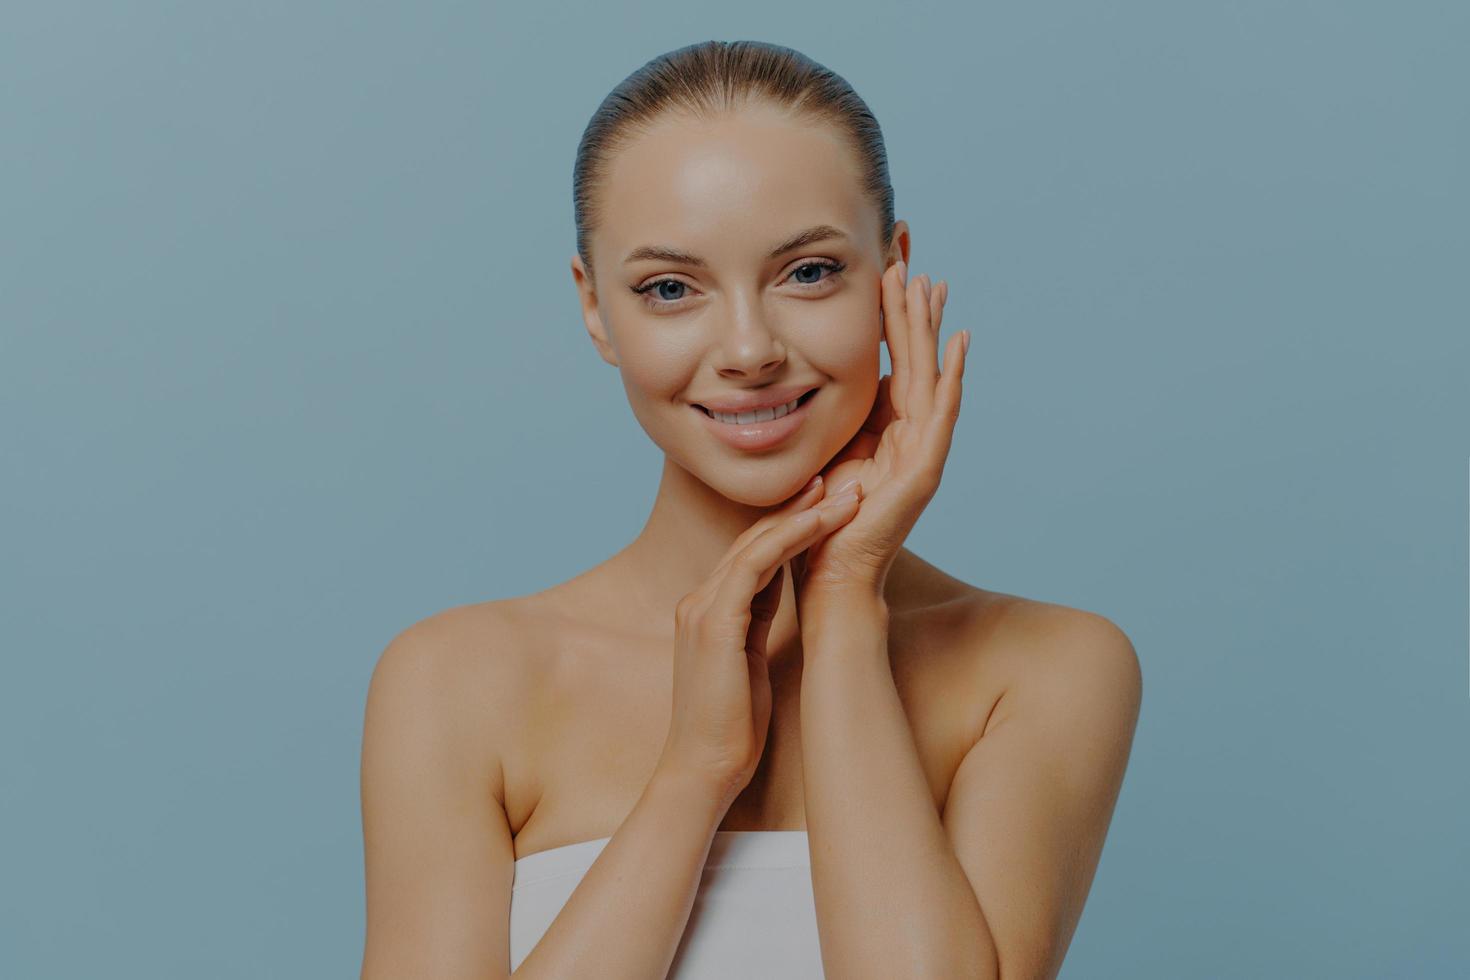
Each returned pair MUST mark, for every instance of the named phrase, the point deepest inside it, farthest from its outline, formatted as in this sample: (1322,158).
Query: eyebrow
(667,253)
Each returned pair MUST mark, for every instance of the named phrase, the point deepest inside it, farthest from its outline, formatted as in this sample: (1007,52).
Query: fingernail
(847,485)
(812,484)
(966,341)
(903,272)
(841,499)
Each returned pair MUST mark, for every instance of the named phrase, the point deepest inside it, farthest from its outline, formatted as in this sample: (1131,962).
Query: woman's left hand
(898,455)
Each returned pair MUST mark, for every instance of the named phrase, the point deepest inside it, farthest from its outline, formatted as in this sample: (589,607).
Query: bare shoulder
(438,842)
(1040,782)
(1016,648)
(1038,652)
(482,641)
(470,665)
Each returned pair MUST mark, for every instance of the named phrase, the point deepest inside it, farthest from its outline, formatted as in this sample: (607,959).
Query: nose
(747,347)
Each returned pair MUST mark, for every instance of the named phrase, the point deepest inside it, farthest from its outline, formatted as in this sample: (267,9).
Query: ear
(898,251)
(591,317)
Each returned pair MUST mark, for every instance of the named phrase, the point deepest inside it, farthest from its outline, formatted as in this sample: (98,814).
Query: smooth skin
(615,704)
(722,685)
(898,455)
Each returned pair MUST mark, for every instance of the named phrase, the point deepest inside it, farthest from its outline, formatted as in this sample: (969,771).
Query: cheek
(654,369)
(844,344)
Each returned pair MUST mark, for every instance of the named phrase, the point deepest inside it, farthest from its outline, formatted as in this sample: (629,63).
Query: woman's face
(737,317)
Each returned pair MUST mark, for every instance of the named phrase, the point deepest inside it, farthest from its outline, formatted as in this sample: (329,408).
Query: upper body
(550,710)
(503,729)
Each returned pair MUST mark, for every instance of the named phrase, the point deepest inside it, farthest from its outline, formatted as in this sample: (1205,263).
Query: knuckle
(748,560)
(687,609)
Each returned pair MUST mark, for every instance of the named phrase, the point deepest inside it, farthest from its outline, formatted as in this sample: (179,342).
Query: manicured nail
(846,485)
(966,341)
(903,272)
(840,500)
(812,484)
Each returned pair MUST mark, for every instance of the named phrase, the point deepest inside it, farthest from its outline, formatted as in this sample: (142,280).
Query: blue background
(290,358)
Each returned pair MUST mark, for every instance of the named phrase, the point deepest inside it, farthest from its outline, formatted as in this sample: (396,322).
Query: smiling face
(739,263)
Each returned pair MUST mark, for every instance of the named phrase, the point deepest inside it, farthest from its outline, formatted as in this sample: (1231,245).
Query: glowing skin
(730,190)
(564,694)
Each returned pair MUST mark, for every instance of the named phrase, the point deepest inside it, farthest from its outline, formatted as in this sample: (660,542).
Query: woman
(764,737)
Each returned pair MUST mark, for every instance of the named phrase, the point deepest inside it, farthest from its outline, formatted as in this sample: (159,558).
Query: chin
(768,492)
(767,485)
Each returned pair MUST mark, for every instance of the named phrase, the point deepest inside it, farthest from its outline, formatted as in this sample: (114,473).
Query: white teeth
(759,415)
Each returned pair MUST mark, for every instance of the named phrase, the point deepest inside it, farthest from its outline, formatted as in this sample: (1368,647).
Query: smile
(759,415)
(759,429)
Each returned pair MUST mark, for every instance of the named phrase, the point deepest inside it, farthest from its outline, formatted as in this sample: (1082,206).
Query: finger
(950,389)
(936,304)
(763,612)
(923,352)
(806,497)
(751,569)
(896,330)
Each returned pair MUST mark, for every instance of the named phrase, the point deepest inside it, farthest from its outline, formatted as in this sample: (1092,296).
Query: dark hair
(713,76)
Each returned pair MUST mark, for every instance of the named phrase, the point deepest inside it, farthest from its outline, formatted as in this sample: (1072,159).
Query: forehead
(729,188)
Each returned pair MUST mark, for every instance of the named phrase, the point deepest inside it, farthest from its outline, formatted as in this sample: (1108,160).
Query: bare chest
(593,731)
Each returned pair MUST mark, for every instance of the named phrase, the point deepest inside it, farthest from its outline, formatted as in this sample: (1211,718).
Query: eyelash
(835,268)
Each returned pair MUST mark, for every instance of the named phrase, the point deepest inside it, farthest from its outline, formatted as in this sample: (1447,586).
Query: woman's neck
(689,530)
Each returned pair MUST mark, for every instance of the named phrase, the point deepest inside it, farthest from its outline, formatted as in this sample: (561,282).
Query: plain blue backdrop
(290,358)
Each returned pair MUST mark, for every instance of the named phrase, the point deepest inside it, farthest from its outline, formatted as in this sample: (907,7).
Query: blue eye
(662,282)
(833,269)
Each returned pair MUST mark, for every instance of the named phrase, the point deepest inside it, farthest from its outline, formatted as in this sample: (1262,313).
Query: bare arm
(440,857)
(439,852)
(994,886)
(627,915)
(437,845)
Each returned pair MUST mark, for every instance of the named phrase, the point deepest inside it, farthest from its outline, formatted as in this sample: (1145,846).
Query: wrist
(692,791)
(859,608)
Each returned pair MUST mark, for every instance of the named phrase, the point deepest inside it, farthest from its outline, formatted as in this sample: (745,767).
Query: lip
(755,436)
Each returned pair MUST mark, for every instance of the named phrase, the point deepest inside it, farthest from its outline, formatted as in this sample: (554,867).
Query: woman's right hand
(722,688)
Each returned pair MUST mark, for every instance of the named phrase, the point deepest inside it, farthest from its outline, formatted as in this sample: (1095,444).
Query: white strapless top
(753,915)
